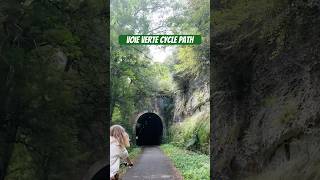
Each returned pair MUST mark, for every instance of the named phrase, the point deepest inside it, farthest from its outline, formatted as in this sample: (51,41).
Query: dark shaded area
(54,76)
(259,117)
(102,174)
(149,129)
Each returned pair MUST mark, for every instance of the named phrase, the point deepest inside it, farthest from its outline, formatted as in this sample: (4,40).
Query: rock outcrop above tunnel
(191,122)
(191,99)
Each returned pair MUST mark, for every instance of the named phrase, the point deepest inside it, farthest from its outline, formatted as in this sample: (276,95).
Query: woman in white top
(119,140)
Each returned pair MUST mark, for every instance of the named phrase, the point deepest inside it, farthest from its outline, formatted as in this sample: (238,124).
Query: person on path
(119,140)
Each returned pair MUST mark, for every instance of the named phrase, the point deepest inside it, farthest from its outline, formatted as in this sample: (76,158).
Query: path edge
(177,173)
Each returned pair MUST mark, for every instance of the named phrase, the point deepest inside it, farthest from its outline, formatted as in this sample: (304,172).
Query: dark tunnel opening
(149,129)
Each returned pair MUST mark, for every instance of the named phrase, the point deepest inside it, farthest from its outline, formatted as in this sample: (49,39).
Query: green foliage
(22,166)
(134,152)
(53,97)
(193,133)
(188,64)
(135,80)
(193,166)
(163,78)
(116,115)
(192,62)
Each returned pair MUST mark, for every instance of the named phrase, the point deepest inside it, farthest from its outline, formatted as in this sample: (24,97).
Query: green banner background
(123,40)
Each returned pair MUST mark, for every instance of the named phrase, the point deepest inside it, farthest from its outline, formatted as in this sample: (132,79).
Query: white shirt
(116,153)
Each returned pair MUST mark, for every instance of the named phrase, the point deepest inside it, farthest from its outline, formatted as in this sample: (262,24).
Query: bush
(193,133)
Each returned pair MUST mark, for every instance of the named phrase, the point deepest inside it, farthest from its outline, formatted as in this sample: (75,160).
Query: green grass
(133,154)
(193,133)
(193,166)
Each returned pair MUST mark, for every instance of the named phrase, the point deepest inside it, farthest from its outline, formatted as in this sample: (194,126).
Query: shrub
(193,133)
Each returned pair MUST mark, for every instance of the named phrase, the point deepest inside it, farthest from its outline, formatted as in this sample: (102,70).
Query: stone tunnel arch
(149,129)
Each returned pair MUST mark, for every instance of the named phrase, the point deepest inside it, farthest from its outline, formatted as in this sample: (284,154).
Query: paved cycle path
(152,164)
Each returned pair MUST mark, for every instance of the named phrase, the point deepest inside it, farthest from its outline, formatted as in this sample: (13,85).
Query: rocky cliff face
(265,113)
(192,99)
(191,123)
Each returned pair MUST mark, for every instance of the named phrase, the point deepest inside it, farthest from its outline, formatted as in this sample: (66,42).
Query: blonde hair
(120,134)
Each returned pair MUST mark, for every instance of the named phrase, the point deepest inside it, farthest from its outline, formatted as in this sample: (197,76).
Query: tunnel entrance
(149,129)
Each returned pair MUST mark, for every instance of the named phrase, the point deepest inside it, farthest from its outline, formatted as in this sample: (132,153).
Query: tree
(54,91)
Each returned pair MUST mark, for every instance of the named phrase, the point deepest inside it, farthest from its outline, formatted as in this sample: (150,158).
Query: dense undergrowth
(192,166)
(193,133)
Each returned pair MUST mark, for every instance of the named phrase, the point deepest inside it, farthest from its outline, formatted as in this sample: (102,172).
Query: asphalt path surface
(152,164)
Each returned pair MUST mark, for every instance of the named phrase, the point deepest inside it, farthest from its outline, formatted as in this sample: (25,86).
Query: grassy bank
(193,166)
